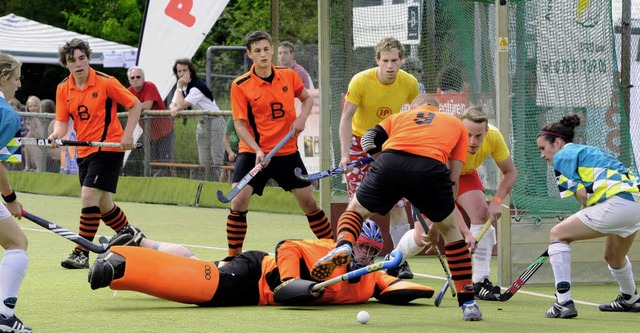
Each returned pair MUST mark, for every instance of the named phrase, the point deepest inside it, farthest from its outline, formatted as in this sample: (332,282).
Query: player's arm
(60,129)
(509,176)
(307,104)
(132,122)
(62,117)
(248,139)
(13,205)
(345,133)
(391,290)
(373,139)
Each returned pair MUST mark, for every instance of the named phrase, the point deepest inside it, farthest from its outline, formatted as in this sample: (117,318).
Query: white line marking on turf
(503,289)
(414,273)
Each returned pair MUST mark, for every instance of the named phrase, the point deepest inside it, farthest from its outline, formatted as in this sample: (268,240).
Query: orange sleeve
(238,101)
(120,94)
(62,114)
(459,152)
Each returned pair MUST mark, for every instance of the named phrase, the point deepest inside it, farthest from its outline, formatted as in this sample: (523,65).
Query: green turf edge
(161,190)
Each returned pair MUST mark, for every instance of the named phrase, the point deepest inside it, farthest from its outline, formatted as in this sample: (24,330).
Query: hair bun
(571,120)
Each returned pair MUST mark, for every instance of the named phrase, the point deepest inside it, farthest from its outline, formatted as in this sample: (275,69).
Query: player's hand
(15,208)
(495,211)
(260,158)
(469,239)
(127,142)
(298,126)
(343,163)
(53,140)
(232,156)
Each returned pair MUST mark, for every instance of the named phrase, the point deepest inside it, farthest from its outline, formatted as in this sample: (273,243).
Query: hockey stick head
(298,172)
(296,292)
(441,294)
(222,197)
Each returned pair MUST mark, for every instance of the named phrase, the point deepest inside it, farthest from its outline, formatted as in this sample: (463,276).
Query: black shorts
(238,284)
(279,169)
(395,175)
(101,170)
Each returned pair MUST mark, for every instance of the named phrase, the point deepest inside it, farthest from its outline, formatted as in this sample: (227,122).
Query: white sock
(482,256)
(560,260)
(13,268)
(624,276)
(398,231)
(407,245)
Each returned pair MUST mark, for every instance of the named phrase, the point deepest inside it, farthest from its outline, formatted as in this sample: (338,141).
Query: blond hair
(475,114)
(8,65)
(389,44)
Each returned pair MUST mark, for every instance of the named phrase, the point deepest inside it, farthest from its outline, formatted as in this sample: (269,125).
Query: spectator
(53,154)
(162,136)
(231,141)
(413,66)
(193,92)
(286,53)
(33,155)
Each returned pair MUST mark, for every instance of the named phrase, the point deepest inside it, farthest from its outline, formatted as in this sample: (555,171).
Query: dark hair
(563,129)
(288,45)
(450,78)
(68,48)
(256,36)
(188,62)
(47,106)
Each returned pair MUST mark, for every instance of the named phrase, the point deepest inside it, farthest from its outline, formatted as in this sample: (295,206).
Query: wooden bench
(192,167)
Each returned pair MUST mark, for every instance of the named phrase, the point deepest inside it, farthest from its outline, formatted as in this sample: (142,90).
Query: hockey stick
(302,292)
(395,259)
(449,281)
(47,143)
(253,172)
(524,277)
(330,172)
(85,243)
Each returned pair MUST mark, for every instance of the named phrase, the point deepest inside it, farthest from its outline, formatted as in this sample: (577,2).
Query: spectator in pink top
(286,52)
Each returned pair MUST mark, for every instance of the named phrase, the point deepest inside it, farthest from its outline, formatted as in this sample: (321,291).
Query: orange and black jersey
(93,108)
(267,108)
(426,132)
(295,258)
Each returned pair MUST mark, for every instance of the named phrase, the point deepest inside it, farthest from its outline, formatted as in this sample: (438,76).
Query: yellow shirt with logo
(493,145)
(377,101)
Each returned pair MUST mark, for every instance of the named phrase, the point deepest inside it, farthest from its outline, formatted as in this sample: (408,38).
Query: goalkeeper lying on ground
(248,278)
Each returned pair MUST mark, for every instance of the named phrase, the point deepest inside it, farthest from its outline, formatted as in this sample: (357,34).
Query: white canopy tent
(35,42)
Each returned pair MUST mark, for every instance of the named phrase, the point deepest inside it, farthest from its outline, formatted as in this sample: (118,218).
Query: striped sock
(320,225)
(115,218)
(349,228)
(236,231)
(89,223)
(459,260)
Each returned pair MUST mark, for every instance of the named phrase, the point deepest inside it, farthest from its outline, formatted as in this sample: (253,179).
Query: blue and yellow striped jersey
(596,170)
(9,126)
